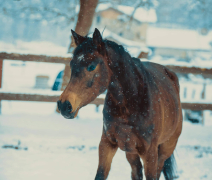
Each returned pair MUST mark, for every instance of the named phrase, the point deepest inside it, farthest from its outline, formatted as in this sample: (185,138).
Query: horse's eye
(91,67)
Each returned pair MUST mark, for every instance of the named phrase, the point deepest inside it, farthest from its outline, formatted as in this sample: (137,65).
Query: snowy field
(36,145)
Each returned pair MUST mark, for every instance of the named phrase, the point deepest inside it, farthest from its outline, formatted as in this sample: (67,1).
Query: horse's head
(89,74)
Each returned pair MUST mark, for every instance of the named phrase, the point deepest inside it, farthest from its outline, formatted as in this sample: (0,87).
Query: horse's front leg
(151,163)
(136,166)
(106,154)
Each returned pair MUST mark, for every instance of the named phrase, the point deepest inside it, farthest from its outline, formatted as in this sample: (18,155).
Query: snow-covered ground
(51,147)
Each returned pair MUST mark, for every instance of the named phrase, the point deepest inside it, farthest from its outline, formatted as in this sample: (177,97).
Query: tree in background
(63,12)
(53,11)
(44,19)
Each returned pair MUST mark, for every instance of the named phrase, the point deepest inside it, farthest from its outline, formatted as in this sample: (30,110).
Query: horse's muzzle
(66,109)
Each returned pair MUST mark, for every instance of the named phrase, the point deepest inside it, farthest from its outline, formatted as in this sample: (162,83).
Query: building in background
(128,22)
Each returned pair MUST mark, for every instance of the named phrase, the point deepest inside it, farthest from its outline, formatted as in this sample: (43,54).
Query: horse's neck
(123,85)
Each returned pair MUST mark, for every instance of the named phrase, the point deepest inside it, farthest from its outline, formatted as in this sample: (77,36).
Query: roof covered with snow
(178,38)
(133,47)
(120,39)
(141,14)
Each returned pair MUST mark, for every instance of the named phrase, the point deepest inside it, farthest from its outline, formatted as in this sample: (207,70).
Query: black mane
(119,49)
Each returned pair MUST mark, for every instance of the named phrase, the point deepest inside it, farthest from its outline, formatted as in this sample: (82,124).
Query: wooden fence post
(203,97)
(1,69)
(203,120)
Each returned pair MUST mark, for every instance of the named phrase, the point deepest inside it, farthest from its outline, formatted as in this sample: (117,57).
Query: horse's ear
(77,38)
(97,37)
(97,40)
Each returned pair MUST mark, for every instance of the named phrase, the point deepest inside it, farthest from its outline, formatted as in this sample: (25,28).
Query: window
(98,19)
(185,92)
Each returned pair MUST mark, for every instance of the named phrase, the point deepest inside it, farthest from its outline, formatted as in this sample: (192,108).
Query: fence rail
(98,101)
(66,60)
(38,97)
(37,58)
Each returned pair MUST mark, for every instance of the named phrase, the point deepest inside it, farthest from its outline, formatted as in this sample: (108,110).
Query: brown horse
(142,110)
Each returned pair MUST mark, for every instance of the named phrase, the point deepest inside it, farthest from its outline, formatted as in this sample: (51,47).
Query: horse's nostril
(59,105)
(69,107)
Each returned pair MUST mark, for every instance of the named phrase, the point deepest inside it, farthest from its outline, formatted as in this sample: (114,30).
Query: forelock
(86,47)
(80,57)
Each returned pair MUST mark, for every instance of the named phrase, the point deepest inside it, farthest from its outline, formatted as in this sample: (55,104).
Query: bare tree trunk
(85,18)
(84,22)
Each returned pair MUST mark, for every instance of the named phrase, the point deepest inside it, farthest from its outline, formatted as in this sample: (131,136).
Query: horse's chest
(123,135)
